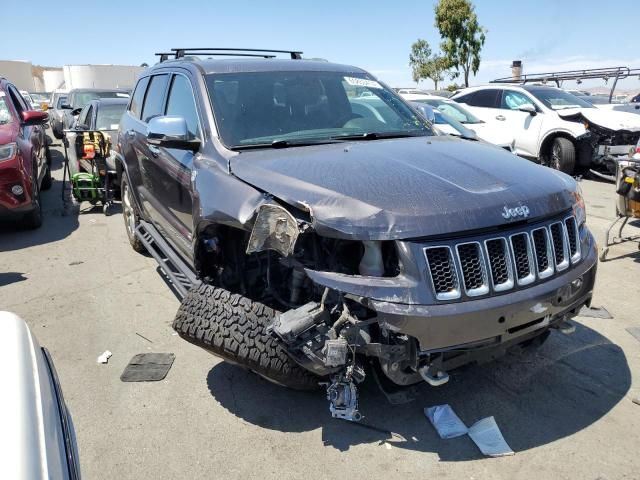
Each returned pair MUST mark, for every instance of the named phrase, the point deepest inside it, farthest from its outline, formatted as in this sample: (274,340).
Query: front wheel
(33,219)
(130,215)
(563,155)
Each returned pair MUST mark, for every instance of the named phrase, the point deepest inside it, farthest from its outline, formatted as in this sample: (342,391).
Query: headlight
(8,151)
(579,208)
(275,229)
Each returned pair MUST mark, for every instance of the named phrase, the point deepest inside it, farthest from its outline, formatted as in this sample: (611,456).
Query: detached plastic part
(104,358)
(445,421)
(488,437)
(440,377)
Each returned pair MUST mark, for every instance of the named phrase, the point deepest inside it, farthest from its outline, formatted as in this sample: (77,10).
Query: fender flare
(557,132)
(122,169)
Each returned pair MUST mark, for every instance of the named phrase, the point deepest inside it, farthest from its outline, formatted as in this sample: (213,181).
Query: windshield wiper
(283,144)
(378,135)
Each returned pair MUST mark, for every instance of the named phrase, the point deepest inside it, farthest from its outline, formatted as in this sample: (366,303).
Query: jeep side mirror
(171,132)
(65,106)
(528,108)
(76,111)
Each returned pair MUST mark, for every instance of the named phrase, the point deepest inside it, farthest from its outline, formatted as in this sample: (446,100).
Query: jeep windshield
(556,99)
(283,109)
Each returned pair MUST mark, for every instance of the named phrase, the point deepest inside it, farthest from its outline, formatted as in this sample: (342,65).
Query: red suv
(25,163)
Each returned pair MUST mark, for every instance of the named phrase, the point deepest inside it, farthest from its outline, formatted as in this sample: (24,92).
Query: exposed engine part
(335,352)
(371,263)
(435,379)
(290,324)
(342,394)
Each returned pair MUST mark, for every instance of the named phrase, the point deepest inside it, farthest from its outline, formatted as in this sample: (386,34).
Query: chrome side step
(180,275)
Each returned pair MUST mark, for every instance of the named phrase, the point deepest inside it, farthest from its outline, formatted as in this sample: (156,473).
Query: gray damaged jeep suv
(315,225)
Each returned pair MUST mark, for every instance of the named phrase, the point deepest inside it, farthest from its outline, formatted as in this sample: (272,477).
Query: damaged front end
(413,309)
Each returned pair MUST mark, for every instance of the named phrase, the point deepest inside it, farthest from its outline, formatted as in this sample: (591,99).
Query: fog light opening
(17,190)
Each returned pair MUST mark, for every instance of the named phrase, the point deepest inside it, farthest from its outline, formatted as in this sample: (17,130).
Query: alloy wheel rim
(128,212)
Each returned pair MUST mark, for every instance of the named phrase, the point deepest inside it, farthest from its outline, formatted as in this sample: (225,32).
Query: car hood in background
(404,188)
(610,119)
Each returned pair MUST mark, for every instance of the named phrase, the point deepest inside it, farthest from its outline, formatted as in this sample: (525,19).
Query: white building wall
(19,73)
(100,76)
(53,79)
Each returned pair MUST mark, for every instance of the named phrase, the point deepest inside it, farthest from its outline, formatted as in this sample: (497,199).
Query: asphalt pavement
(566,409)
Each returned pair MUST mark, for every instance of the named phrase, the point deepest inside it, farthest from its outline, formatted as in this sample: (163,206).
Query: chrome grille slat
(573,239)
(559,242)
(522,258)
(474,273)
(543,252)
(516,259)
(444,277)
(500,265)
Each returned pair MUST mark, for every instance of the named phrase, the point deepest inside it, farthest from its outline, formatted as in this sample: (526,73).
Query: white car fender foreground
(37,428)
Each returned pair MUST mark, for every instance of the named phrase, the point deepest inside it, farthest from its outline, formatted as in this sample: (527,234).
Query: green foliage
(462,35)
(424,65)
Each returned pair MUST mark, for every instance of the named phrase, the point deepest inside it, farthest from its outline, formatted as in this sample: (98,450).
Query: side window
(181,103)
(154,99)
(465,98)
(18,101)
(135,107)
(485,98)
(82,117)
(513,100)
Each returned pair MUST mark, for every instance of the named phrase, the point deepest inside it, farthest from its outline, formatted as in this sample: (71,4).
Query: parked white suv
(489,130)
(553,126)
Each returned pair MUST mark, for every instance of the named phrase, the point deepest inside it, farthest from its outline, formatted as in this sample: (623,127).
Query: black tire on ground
(131,216)
(47,181)
(563,155)
(234,328)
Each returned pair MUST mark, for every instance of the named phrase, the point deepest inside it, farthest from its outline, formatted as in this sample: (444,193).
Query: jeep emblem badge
(510,213)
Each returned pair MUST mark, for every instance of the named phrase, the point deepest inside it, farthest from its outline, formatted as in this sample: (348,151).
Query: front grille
(499,264)
(443,272)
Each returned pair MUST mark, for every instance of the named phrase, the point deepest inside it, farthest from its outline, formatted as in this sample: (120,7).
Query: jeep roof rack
(235,52)
(615,73)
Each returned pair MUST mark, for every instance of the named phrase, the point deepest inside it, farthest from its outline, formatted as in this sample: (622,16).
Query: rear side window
(154,99)
(182,104)
(138,96)
(485,98)
(464,98)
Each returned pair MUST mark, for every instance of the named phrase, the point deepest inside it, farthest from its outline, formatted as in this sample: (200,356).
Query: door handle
(155,151)
(131,134)
(500,117)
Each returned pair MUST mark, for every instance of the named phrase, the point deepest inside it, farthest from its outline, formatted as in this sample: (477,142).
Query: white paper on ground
(445,421)
(104,358)
(487,436)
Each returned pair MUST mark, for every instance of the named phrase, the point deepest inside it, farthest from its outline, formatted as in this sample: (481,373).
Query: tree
(425,65)
(462,35)
(418,58)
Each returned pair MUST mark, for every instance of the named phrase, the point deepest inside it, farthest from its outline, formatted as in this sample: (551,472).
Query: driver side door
(525,126)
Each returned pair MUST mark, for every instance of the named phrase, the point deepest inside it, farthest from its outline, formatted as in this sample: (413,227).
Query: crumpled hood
(610,119)
(404,188)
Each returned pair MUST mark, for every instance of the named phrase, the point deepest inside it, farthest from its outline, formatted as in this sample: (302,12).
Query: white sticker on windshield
(362,82)
(114,126)
(122,95)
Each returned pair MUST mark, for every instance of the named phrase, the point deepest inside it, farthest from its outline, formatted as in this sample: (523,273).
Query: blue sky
(545,34)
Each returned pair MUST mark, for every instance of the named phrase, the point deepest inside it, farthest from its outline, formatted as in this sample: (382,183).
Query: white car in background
(555,127)
(491,131)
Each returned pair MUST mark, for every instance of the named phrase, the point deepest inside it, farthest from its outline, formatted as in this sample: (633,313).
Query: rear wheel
(130,216)
(563,155)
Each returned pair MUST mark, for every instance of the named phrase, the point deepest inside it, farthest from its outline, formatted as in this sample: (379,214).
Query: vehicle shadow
(536,397)
(7,278)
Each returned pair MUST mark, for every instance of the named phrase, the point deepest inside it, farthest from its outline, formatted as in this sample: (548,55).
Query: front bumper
(494,319)
(12,174)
